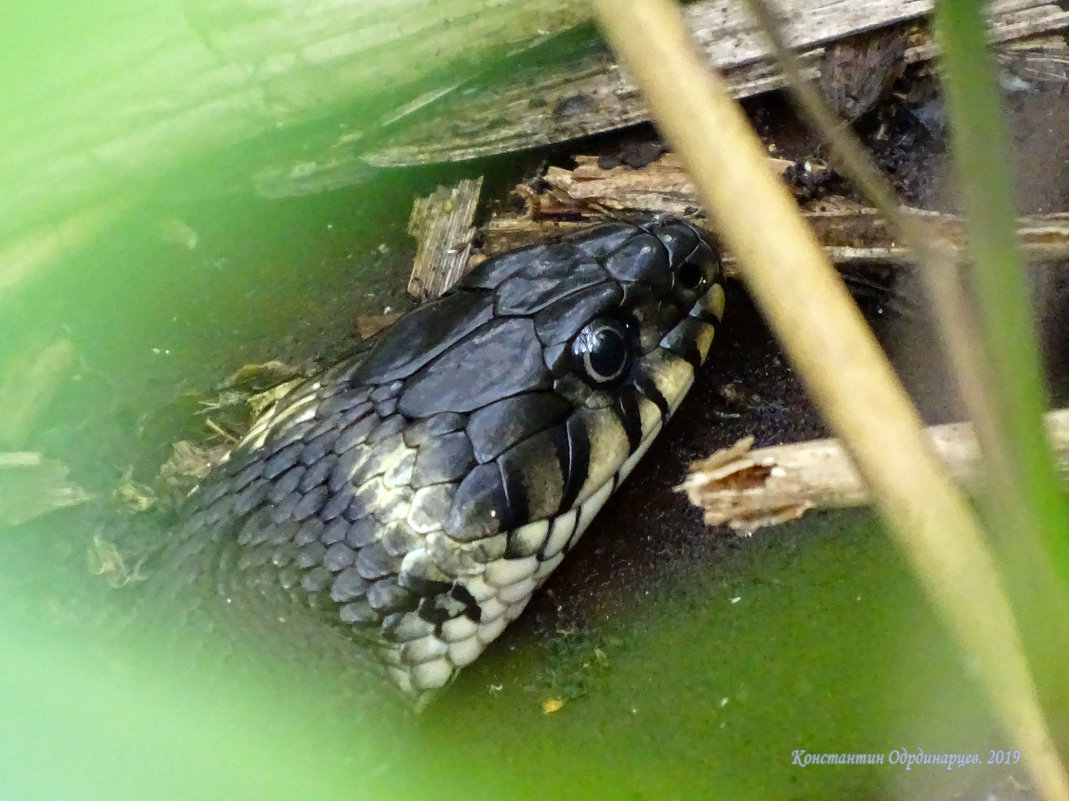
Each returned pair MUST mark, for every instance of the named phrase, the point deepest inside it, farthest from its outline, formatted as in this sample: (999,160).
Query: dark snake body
(419,492)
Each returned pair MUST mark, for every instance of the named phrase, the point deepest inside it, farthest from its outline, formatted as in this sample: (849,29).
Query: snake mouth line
(501,591)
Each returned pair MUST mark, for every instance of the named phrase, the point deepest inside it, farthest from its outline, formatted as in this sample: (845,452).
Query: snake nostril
(690,275)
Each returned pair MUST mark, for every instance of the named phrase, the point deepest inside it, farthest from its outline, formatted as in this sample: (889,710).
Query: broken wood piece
(748,489)
(442,225)
(850,233)
(661,185)
(1009,26)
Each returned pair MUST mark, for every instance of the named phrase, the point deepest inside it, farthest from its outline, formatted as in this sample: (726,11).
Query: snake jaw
(421,491)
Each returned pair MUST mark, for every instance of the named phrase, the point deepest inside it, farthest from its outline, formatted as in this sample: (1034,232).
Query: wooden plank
(594,95)
(139,92)
(149,91)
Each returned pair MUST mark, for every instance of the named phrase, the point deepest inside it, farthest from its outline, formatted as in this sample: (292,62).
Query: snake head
(419,492)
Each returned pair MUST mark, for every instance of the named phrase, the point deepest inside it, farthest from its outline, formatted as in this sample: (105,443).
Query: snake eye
(604,349)
(690,275)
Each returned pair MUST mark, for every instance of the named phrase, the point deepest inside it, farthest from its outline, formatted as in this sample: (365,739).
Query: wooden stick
(746,489)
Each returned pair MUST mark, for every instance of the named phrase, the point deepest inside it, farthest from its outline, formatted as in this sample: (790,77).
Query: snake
(418,492)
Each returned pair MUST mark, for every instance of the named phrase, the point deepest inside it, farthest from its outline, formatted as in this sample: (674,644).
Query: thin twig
(222,432)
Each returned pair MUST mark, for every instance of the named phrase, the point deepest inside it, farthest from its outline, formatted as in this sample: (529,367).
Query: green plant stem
(839,359)
(931,250)
(1023,504)
(1026,499)
(1025,534)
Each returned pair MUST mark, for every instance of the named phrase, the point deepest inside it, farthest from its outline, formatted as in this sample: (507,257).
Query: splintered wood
(442,226)
(746,489)
(850,233)
(662,185)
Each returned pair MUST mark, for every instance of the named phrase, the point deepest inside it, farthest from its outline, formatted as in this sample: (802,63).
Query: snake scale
(418,492)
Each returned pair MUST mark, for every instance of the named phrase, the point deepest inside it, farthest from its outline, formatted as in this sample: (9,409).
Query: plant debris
(32,485)
(551,705)
(370,324)
(107,561)
(133,495)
